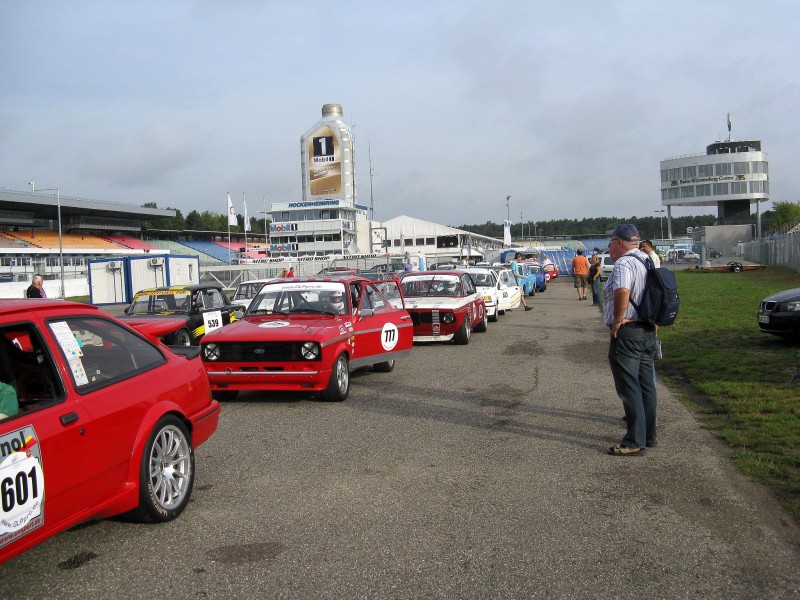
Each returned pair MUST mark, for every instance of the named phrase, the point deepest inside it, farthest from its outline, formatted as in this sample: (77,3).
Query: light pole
(60,237)
(508,209)
(660,221)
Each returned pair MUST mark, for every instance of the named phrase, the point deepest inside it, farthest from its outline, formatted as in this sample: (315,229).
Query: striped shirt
(629,273)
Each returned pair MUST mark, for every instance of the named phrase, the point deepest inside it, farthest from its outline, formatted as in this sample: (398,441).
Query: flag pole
(244,201)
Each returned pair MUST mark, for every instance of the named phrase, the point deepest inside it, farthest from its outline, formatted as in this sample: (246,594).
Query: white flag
(231,212)
(506,233)
(246,218)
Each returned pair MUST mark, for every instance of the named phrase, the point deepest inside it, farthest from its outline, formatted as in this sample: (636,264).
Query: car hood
(435,302)
(793,294)
(278,328)
(156,326)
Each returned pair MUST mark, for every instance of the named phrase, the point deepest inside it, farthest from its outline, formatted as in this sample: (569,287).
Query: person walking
(594,279)
(633,342)
(580,273)
(646,246)
(36,289)
(290,273)
(519,277)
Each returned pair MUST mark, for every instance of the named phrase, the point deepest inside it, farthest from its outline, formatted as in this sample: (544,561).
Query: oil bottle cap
(331,109)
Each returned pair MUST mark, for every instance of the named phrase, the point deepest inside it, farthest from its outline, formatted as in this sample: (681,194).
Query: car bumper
(779,323)
(434,338)
(292,377)
(205,423)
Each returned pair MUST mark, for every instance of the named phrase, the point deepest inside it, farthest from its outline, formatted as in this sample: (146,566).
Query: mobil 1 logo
(323,149)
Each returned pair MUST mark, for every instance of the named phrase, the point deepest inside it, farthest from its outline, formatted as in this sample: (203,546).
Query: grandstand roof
(43,205)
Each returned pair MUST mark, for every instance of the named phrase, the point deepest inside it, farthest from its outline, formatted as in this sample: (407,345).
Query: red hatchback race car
(307,334)
(444,306)
(97,420)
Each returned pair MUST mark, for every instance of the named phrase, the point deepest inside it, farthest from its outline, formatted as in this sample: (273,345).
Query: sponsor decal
(274,324)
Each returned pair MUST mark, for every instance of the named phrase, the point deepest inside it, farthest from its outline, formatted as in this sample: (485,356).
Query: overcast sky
(567,106)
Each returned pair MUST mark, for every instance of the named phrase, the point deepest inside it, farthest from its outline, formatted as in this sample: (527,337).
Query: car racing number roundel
(389,336)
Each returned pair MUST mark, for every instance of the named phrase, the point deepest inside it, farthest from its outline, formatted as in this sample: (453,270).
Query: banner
(246,218)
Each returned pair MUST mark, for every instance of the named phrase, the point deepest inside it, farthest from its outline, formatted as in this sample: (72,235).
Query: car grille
(768,306)
(256,352)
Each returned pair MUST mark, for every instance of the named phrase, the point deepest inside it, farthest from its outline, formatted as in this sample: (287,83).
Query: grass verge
(737,378)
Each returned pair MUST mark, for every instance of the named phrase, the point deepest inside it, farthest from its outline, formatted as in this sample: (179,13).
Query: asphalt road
(472,471)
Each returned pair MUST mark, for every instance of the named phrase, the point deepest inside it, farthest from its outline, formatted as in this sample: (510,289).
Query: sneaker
(528,308)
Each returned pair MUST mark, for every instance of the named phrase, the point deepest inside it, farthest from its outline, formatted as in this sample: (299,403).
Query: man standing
(35,289)
(518,276)
(647,247)
(580,273)
(633,342)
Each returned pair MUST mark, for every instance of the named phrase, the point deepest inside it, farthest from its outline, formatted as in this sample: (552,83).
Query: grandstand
(127,241)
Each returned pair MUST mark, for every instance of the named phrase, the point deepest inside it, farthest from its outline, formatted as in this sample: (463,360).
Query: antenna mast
(371,171)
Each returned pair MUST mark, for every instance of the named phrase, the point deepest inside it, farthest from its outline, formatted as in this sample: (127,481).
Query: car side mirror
(238,313)
(127,310)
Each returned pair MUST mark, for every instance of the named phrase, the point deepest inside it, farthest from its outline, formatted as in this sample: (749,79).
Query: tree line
(783,217)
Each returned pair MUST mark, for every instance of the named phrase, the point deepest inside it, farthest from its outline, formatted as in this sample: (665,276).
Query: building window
(687,191)
(705,170)
(739,187)
(722,169)
(703,190)
(420,242)
(756,187)
(674,193)
(430,241)
(664,175)
(741,168)
(689,172)
(720,189)
(760,167)
(396,242)
(674,174)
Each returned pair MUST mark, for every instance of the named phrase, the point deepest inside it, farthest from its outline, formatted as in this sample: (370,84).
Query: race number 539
(21,491)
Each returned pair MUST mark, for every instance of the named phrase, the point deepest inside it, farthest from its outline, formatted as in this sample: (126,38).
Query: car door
(45,461)
(381,329)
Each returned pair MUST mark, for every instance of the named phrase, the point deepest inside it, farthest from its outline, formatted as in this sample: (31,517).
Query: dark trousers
(630,355)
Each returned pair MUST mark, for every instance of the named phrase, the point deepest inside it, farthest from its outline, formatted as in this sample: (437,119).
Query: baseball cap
(627,232)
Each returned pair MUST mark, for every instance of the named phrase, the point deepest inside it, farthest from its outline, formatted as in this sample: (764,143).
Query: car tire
(339,383)
(384,367)
(182,337)
(483,326)
(493,318)
(225,395)
(462,335)
(166,475)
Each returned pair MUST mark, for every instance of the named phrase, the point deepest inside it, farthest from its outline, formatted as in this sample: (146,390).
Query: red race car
(97,419)
(307,334)
(444,306)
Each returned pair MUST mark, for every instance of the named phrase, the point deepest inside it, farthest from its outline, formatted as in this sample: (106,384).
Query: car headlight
(310,351)
(793,305)
(211,352)
(487,298)
(448,318)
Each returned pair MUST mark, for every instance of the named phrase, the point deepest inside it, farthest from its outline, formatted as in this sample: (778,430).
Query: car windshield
(431,285)
(482,278)
(309,297)
(160,302)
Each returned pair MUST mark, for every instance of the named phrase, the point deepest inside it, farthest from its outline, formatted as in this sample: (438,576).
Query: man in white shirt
(633,342)
(647,247)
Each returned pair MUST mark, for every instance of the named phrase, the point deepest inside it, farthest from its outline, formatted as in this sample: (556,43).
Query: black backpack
(659,304)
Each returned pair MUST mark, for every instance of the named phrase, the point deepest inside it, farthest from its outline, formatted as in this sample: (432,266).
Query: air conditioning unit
(156,262)
(114,265)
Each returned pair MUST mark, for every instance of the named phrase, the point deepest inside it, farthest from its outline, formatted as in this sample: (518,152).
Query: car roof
(12,305)
(183,288)
(345,279)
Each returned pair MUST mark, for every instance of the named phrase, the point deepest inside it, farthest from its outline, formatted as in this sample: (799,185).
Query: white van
(606,265)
